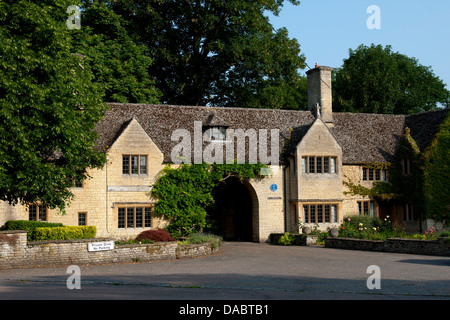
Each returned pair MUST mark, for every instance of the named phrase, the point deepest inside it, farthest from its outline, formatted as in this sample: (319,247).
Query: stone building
(311,154)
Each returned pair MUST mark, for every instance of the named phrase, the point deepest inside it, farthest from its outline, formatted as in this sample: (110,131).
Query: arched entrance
(232,215)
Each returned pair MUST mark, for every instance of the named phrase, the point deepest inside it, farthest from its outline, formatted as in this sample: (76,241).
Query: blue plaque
(274,187)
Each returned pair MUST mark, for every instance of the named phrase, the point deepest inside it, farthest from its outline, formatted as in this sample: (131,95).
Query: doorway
(231,216)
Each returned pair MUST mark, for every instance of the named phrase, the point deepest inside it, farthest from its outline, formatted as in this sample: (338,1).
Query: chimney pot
(320,100)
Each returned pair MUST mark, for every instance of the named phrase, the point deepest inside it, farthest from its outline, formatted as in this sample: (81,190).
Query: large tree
(120,66)
(217,52)
(376,79)
(49,106)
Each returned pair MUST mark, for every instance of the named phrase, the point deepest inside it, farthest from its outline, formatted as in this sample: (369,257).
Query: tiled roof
(364,138)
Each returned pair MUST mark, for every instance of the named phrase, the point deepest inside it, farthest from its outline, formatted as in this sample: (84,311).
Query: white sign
(101,246)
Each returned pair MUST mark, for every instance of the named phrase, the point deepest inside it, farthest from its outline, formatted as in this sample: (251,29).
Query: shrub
(286,239)
(157,235)
(444,234)
(29,226)
(198,238)
(64,233)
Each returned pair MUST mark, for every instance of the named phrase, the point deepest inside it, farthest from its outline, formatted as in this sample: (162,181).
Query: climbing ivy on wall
(427,184)
(436,175)
(184,193)
(408,187)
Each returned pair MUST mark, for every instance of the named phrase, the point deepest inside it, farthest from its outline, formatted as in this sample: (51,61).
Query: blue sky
(327,29)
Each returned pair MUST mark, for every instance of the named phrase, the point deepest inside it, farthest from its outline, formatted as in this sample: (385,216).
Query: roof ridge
(205,107)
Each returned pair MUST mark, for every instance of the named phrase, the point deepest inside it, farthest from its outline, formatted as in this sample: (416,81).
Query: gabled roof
(367,138)
(424,126)
(364,138)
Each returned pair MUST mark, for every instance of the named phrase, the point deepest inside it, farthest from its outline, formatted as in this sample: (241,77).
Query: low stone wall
(299,239)
(411,246)
(16,252)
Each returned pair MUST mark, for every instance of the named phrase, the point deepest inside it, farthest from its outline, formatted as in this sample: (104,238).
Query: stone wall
(16,252)
(411,246)
(299,239)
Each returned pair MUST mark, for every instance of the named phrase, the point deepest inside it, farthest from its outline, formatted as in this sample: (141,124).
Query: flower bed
(372,228)
(372,234)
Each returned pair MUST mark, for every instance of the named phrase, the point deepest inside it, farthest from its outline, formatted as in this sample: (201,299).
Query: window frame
(128,218)
(40,211)
(80,214)
(374,175)
(135,168)
(319,165)
(220,131)
(320,213)
(370,205)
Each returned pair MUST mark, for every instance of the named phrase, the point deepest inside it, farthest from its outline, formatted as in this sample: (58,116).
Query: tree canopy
(49,105)
(119,65)
(376,79)
(211,52)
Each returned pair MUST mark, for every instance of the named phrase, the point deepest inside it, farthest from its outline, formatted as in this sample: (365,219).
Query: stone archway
(233,213)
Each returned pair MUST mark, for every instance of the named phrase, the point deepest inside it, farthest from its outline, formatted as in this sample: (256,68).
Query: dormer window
(215,128)
(218,134)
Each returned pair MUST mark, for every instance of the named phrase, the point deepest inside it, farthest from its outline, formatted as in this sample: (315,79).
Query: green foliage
(380,190)
(120,66)
(29,226)
(377,80)
(223,53)
(426,187)
(409,188)
(444,234)
(436,175)
(64,233)
(198,238)
(286,239)
(186,192)
(370,228)
(130,240)
(49,106)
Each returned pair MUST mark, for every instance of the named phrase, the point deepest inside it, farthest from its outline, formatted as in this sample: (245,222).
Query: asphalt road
(243,272)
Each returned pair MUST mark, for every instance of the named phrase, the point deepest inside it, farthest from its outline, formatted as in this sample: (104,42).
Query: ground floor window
(82,218)
(37,213)
(320,213)
(408,212)
(134,217)
(366,208)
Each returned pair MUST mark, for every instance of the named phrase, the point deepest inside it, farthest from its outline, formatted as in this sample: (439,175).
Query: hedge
(29,226)
(64,233)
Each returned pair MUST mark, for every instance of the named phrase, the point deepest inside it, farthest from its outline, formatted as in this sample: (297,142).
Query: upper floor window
(374,174)
(406,165)
(319,165)
(134,164)
(217,133)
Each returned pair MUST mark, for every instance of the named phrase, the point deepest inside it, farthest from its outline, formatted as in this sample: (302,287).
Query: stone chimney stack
(320,100)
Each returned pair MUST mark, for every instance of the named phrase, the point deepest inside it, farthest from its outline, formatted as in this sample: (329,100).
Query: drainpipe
(106,196)
(285,193)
